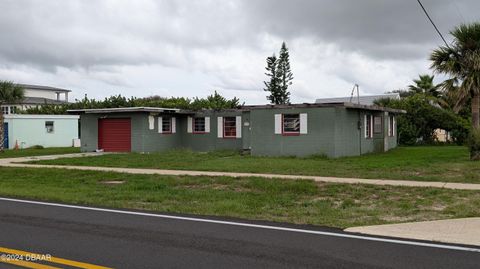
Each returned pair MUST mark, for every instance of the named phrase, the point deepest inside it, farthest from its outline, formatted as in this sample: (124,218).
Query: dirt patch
(112,182)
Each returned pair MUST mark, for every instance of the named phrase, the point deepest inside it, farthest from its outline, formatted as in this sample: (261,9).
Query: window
(391,126)
(167,125)
(229,127)
(5,110)
(291,123)
(377,125)
(368,126)
(13,110)
(49,127)
(199,125)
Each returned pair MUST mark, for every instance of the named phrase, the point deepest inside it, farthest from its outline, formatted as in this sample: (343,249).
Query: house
(362,100)
(333,129)
(24,131)
(37,96)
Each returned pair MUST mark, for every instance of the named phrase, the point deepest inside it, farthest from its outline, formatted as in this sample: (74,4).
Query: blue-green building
(25,131)
(333,129)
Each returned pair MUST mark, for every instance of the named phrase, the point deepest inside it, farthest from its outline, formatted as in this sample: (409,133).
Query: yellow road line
(54,260)
(26,264)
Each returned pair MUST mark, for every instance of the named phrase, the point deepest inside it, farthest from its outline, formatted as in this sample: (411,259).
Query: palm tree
(424,84)
(461,61)
(9,93)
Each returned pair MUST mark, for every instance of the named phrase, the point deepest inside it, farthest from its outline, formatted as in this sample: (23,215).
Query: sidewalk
(17,162)
(456,231)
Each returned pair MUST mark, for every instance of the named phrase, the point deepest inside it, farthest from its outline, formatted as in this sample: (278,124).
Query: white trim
(151,122)
(303,123)
(394,126)
(278,123)
(249,225)
(25,116)
(238,126)
(220,127)
(174,125)
(207,124)
(189,125)
(365,126)
(160,125)
(389,125)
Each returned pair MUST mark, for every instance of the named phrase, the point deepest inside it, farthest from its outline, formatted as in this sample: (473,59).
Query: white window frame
(368,129)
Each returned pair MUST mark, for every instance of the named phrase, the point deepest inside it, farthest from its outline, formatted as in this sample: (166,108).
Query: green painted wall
(209,141)
(318,140)
(332,131)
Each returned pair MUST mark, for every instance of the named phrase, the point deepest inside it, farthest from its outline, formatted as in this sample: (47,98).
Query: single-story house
(334,129)
(24,131)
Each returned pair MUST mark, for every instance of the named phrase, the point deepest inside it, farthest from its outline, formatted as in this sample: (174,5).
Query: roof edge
(122,110)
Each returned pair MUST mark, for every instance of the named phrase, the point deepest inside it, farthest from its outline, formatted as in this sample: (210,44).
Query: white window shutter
(174,125)
(207,124)
(151,122)
(304,123)
(393,125)
(238,122)
(278,123)
(160,125)
(365,124)
(389,125)
(189,125)
(220,127)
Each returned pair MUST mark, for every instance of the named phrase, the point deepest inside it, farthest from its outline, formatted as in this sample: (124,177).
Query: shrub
(474,144)
(36,147)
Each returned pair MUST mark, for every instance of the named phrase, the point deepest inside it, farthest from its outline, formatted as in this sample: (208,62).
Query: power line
(431,21)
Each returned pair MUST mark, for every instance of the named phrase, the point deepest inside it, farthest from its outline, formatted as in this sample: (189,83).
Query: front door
(378,137)
(5,135)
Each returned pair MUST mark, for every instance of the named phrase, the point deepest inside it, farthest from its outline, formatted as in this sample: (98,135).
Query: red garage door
(114,134)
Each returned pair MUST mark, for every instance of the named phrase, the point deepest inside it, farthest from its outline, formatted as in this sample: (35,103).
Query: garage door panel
(114,135)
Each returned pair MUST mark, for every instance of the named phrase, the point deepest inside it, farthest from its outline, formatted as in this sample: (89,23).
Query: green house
(333,129)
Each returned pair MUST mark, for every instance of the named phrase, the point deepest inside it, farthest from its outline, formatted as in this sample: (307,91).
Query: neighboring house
(367,100)
(24,131)
(37,96)
(442,135)
(334,129)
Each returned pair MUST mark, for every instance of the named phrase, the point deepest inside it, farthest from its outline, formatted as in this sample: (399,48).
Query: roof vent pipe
(358,93)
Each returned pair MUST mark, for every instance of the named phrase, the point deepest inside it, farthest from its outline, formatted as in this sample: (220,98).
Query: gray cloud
(114,43)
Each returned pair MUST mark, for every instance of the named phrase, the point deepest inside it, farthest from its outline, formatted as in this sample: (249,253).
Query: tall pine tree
(280,77)
(284,74)
(272,86)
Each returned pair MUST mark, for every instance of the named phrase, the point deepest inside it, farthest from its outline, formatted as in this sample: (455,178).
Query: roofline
(375,108)
(40,116)
(386,95)
(122,110)
(243,108)
(42,88)
(337,104)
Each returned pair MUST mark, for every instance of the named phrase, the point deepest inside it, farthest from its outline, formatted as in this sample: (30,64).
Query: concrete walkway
(17,162)
(456,231)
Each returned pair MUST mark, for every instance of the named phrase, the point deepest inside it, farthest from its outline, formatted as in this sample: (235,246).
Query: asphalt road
(117,240)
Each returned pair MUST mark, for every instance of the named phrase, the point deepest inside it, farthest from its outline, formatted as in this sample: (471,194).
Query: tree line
(214,101)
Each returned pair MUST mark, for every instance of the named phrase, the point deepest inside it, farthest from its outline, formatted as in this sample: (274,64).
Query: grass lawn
(36,152)
(432,163)
(294,201)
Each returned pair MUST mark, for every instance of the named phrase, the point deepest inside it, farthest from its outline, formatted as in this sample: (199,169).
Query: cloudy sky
(190,48)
